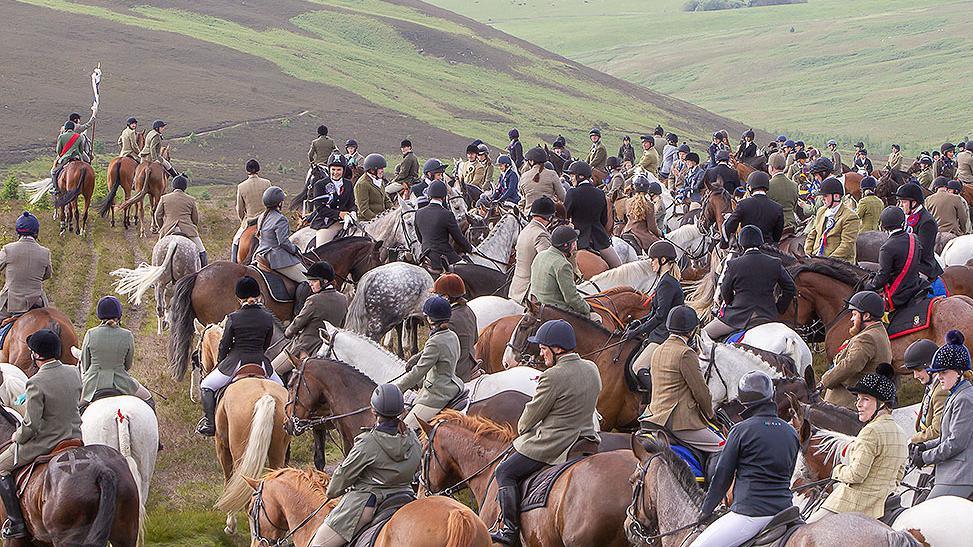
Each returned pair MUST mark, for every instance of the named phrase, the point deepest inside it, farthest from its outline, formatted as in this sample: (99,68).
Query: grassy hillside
(235,80)
(880,70)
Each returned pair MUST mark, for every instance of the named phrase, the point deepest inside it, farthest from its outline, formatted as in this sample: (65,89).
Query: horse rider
(758,460)
(532,240)
(274,245)
(787,148)
(380,465)
(681,402)
(177,214)
(68,149)
(722,175)
(868,347)
(552,274)
(950,452)
(325,304)
(689,183)
(863,165)
(918,358)
(641,227)
(462,321)
(669,154)
(483,171)
(128,140)
(945,166)
(247,336)
(434,372)
(538,181)
(897,279)
(615,181)
(26,265)
(714,148)
(506,189)
(948,207)
(626,152)
(407,171)
(876,463)
(353,157)
(870,207)
(107,356)
(515,150)
(757,210)
(559,415)
(919,221)
(50,417)
(835,227)
(559,147)
(783,191)
(587,207)
(747,150)
(249,202)
(322,147)
(82,128)
(679,167)
(466,170)
(748,288)
(432,171)
(835,158)
(598,156)
(435,226)
(664,296)
(798,168)
(649,163)
(925,176)
(152,151)
(334,200)
(964,164)
(894,165)
(370,197)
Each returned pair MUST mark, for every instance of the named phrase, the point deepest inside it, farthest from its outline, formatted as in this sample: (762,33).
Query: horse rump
(71,194)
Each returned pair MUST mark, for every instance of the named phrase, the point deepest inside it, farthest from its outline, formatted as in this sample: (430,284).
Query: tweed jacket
(321,150)
(929,422)
(964,167)
(547,184)
(250,199)
(152,149)
(598,156)
(839,240)
(407,172)
(869,210)
(951,451)
(328,305)
(650,161)
(370,200)
(863,353)
(463,323)
(561,410)
(128,141)
(951,212)
(552,282)
(533,239)
(50,411)
(681,400)
(785,192)
(107,354)
(26,264)
(274,232)
(177,213)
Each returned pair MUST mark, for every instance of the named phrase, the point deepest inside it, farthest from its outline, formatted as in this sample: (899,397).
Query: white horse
(382,366)
(626,253)
(128,425)
(495,250)
(958,250)
(730,363)
(780,339)
(173,257)
(386,297)
(488,309)
(638,275)
(688,240)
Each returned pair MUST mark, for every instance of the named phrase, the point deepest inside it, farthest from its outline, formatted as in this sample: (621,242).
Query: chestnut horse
(617,307)
(151,179)
(15,350)
(121,173)
(250,438)
(590,264)
(584,507)
(291,502)
(326,393)
(77,179)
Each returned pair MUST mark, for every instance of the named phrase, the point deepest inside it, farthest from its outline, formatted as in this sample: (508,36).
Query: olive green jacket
(841,237)
(929,422)
(785,192)
(407,172)
(434,374)
(107,354)
(650,161)
(380,465)
(50,411)
(552,282)
(598,157)
(370,200)
(869,210)
(128,141)
(328,305)
(321,150)
(562,410)
(152,149)
(863,353)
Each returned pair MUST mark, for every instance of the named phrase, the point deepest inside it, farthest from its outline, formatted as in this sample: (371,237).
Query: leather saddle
(460,402)
(893,508)
(279,287)
(779,529)
(383,513)
(694,458)
(250,370)
(535,489)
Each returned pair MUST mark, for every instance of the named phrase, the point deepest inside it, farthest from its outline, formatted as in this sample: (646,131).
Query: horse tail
(182,328)
(254,459)
(460,528)
(358,316)
(138,195)
(299,199)
(136,282)
(123,422)
(101,526)
(114,181)
(71,195)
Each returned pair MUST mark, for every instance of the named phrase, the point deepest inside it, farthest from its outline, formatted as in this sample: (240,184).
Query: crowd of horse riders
(784,188)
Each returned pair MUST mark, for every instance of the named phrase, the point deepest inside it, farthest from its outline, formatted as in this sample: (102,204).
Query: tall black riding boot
(203,260)
(172,172)
(301,294)
(234,251)
(644,377)
(14,528)
(509,533)
(207,426)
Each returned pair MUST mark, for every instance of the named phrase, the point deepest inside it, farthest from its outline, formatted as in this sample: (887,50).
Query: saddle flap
(912,318)
(535,489)
(367,536)
(30,470)
(280,288)
(783,523)
(461,401)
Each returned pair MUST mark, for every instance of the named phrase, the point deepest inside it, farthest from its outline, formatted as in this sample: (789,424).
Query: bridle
(638,531)
(301,425)
(429,455)
(258,509)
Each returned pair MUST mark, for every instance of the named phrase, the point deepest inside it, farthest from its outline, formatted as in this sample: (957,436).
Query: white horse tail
(37,189)
(123,422)
(357,317)
(135,283)
(237,492)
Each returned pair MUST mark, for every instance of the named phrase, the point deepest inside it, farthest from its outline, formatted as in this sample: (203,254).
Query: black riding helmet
(682,320)
(579,168)
(831,186)
(892,218)
(912,192)
(878,384)
(536,155)
(867,302)
(562,237)
(433,165)
(750,236)
(954,185)
(758,180)
(821,165)
(755,387)
(543,207)
(919,354)
(663,250)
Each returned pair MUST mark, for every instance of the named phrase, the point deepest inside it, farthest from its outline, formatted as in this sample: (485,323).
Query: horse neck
(638,275)
(674,506)
(296,501)
(731,363)
(500,240)
(345,390)
(470,454)
(829,295)
(685,237)
(380,227)
(380,366)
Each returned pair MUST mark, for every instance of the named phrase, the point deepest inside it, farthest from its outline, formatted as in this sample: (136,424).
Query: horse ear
(796,408)
(425,427)
(640,452)
(377,245)
(532,304)
(805,432)
(252,483)
(809,378)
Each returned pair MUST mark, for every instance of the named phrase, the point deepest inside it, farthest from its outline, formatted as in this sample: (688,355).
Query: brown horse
(468,449)
(617,307)
(327,393)
(665,504)
(15,350)
(853,185)
(250,437)
(248,244)
(743,170)
(150,179)
(77,179)
(590,264)
(121,173)
(296,501)
(717,205)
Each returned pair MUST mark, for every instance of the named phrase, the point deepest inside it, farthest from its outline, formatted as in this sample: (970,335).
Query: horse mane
(679,468)
(352,369)
(613,291)
(583,317)
(482,428)
(372,343)
(314,480)
(839,270)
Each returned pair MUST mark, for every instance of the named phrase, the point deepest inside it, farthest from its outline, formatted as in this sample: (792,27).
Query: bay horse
(121,174)
(666,499)
(288,505)
(250,438)
(584,507)
(328,393)
(150,179)
(77,179)
(85,495)
(15,350)
(590,263)
(482,280)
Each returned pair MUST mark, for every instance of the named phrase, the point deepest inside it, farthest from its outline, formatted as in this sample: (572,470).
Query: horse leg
(159,306)
(398,338)
(320,442)
(153,203)
(84,218)
(141,216)
(414,335)
(60,213)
